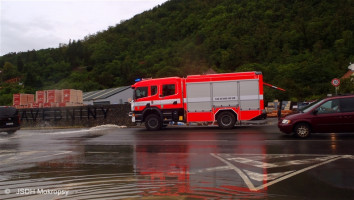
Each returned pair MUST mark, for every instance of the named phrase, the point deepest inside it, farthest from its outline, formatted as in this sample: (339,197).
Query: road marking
(243,175)
(270,176)
(252,162)
(274,178)
(296,173)
(277,164)
(211,169)
(348,156)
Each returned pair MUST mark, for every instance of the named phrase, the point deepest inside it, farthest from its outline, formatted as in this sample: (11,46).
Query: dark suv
(329,115)
(9,119)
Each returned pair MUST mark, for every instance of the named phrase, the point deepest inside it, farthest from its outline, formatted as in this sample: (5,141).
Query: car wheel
(302,130)
(153,122)
(226,120)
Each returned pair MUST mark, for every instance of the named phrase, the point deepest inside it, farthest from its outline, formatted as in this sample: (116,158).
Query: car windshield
(140,92)
(311,106)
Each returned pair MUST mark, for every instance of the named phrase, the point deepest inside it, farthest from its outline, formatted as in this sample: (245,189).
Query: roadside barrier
(87,116)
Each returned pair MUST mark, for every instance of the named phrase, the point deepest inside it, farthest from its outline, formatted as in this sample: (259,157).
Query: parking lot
(179,162)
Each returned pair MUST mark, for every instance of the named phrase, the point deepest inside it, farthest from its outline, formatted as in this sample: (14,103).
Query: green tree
(9,71)
(298,45)
(33,80)
(347,86)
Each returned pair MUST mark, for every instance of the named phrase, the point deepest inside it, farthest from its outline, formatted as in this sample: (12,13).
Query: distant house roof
(210,71)
(103,94)
(348,74)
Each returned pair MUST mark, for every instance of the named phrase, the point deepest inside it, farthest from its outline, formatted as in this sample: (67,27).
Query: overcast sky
(40,24)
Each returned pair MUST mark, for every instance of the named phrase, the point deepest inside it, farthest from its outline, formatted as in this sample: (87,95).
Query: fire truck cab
(222,98)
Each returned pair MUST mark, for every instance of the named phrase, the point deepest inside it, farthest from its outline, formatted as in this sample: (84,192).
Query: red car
(329,115)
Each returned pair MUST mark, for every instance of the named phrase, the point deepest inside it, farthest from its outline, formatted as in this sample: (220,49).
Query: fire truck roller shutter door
(249,95)
(199,97)
(225,94)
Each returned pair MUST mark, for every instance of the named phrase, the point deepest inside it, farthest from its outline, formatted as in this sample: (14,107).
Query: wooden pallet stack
(272,108)
(49,99)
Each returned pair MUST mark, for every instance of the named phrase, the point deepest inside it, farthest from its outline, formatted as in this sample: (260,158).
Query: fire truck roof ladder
(272,86)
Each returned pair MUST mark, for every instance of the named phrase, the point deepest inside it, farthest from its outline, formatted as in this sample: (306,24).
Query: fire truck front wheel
(153,122)
(226,120)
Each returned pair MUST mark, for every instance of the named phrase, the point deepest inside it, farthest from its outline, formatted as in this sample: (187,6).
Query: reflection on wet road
(111,162)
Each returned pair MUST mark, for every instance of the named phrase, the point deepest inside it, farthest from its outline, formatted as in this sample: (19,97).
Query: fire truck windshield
(140,92)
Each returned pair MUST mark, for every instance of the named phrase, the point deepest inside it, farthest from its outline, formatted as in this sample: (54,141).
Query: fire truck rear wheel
(153,122)
(226,120)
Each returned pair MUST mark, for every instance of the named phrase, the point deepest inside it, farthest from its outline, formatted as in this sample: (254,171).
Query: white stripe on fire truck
(199,99)
(251,97)
(157,102)
(223,98)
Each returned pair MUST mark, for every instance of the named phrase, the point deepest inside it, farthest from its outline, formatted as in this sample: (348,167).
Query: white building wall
(119,98)
(351,67)
(88,102)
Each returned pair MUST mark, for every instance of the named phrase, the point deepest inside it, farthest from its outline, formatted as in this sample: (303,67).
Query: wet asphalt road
(107,162)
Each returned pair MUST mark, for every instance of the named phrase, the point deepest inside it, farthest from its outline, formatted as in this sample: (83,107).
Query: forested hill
(299,45)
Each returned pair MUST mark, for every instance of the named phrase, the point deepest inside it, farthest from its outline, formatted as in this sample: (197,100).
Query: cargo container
(16,99)
(46,105)
(30,98)
(53,96)
(69,95)
(21,106)
(22,99)
(49,98)
(70,104)
(80,98)
(41,97)
(35,105)
(54,104)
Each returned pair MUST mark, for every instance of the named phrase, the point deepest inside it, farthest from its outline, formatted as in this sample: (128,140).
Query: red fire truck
(224,98)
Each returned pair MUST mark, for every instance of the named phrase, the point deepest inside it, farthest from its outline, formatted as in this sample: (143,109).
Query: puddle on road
(50,132)
(147,172)
(123,172)
(80,185)
(183,169)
